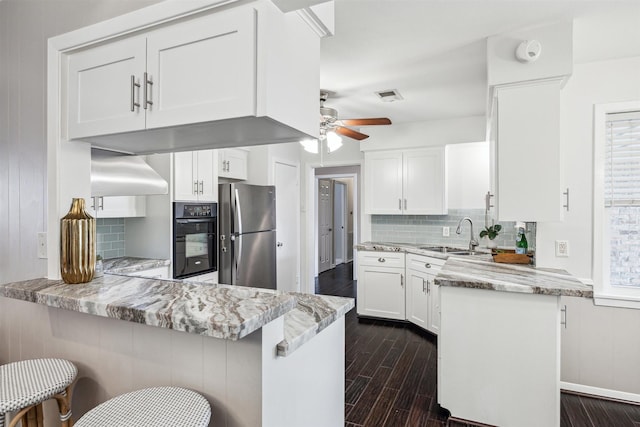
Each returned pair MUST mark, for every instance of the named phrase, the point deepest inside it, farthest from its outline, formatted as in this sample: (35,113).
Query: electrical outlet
(562,248)
(445,231)
(42,245)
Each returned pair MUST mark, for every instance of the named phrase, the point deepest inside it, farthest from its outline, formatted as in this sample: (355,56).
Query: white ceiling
(433,51)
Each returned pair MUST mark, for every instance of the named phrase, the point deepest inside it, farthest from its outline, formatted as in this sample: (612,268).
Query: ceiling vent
(389,95)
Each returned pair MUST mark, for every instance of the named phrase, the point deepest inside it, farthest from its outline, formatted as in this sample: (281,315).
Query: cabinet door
(434,306)
(101,92)
(417,303)
(203,70)
(207,182)
(381,292)
(185,176)
(423,179)
(383,182)
(234,164)
(529,186)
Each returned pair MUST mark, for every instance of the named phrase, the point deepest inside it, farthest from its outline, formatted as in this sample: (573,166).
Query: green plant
(491,232)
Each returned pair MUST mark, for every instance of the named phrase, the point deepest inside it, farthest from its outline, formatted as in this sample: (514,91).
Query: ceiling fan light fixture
(334,141)
(310,145)
(389,95)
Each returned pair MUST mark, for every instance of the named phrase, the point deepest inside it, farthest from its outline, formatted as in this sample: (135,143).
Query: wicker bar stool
(151,407)
(26,384)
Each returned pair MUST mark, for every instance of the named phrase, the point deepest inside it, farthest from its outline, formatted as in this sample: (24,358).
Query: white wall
(24,29)
(601,346)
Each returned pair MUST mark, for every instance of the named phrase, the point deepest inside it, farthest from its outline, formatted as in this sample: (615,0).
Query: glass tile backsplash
(417,229)
(110,237)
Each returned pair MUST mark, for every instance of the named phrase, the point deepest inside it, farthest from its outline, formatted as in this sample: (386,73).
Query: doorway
(336,222)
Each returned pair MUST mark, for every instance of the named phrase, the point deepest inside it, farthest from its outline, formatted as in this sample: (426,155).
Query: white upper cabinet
(202,70)
(118,206)
(409,182)
(194,176)
(190,72)
(103,91)
(233,163)
(528,181)
(226,77)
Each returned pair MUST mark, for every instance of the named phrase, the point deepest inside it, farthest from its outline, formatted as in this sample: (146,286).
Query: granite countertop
(127,265)
(205,308)
(479,271)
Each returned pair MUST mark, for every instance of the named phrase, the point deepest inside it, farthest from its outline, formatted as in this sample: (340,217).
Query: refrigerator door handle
(237,247)
(238,212)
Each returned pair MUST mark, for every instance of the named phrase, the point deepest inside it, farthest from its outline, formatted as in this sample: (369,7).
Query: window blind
(622,160)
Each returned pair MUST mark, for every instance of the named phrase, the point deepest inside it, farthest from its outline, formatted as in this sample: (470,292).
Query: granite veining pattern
(217,311)
(127,265)
(312,314)
(478,274)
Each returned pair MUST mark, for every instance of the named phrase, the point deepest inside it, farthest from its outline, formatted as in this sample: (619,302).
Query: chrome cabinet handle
(381,259)
(427,265)
(399,204)
(428,286)
(402,280)
(564,310)
(405,204)
(228,165)
(195,187)
(134,85)
(201,187)
(487,201)
(147,83)
(424,286)
(566,193)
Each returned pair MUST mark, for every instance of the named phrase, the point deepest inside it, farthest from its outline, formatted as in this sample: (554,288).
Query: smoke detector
(389,95)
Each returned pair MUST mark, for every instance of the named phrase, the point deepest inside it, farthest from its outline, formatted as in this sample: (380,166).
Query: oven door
(194,247)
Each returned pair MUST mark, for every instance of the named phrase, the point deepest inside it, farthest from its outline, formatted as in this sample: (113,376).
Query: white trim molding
(600,392)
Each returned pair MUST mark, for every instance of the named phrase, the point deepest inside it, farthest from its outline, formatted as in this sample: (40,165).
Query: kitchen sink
(441,249)
(450,250)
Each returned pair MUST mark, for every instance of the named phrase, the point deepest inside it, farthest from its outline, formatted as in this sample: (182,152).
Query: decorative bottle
(78,247)
(521,242)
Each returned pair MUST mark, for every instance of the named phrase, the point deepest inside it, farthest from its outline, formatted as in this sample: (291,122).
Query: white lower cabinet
(394,286)
(423,295)
(381,283)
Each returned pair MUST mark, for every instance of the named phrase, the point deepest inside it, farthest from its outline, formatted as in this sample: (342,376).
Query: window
(617,204)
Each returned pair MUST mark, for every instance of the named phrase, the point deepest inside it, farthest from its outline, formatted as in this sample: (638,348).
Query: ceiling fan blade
(366,122)
(351,133)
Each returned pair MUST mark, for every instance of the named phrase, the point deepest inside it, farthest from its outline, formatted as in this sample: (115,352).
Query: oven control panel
(195,210)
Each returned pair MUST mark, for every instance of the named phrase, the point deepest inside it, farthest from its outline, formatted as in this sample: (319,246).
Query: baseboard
(600,392)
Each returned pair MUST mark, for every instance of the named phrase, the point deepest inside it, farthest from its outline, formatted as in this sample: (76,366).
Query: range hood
(115,174)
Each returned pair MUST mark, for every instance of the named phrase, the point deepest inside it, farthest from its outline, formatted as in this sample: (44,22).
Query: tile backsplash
(428,229)
(110,237)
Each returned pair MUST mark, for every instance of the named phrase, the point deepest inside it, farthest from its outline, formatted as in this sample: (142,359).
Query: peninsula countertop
(219,311)
(482,273)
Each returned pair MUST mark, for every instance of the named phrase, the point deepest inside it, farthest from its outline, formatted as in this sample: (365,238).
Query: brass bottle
(78,244)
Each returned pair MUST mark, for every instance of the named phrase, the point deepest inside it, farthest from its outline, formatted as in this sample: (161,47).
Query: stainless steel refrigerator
(247,235)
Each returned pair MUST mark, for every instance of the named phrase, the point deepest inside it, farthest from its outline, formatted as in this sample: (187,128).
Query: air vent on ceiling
(389,95)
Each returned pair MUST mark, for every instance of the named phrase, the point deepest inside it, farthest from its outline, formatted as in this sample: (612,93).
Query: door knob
(279,244)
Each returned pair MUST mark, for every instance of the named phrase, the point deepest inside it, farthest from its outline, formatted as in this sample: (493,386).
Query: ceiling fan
(329,122)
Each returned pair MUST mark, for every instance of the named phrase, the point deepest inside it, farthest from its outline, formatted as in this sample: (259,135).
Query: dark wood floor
(391,374)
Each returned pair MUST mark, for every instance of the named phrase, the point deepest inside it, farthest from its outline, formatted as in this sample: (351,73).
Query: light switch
(562,248)
(445,231)
(42,245)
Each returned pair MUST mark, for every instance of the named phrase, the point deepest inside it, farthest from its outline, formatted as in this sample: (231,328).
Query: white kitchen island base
(244,380)
(499,357)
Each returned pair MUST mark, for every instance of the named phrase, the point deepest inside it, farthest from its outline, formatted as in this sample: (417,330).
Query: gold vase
(78,244)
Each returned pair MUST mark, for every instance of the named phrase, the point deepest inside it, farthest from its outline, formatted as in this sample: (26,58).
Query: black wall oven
(194,238)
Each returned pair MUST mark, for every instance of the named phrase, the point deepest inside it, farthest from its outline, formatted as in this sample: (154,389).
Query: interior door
(325,225)
(287,202)
(339,222)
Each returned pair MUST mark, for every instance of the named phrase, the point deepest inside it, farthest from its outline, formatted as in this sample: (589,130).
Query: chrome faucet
(472,241)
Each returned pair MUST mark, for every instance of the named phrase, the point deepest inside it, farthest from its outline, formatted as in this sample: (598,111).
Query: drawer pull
(427,265)
(381,259)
